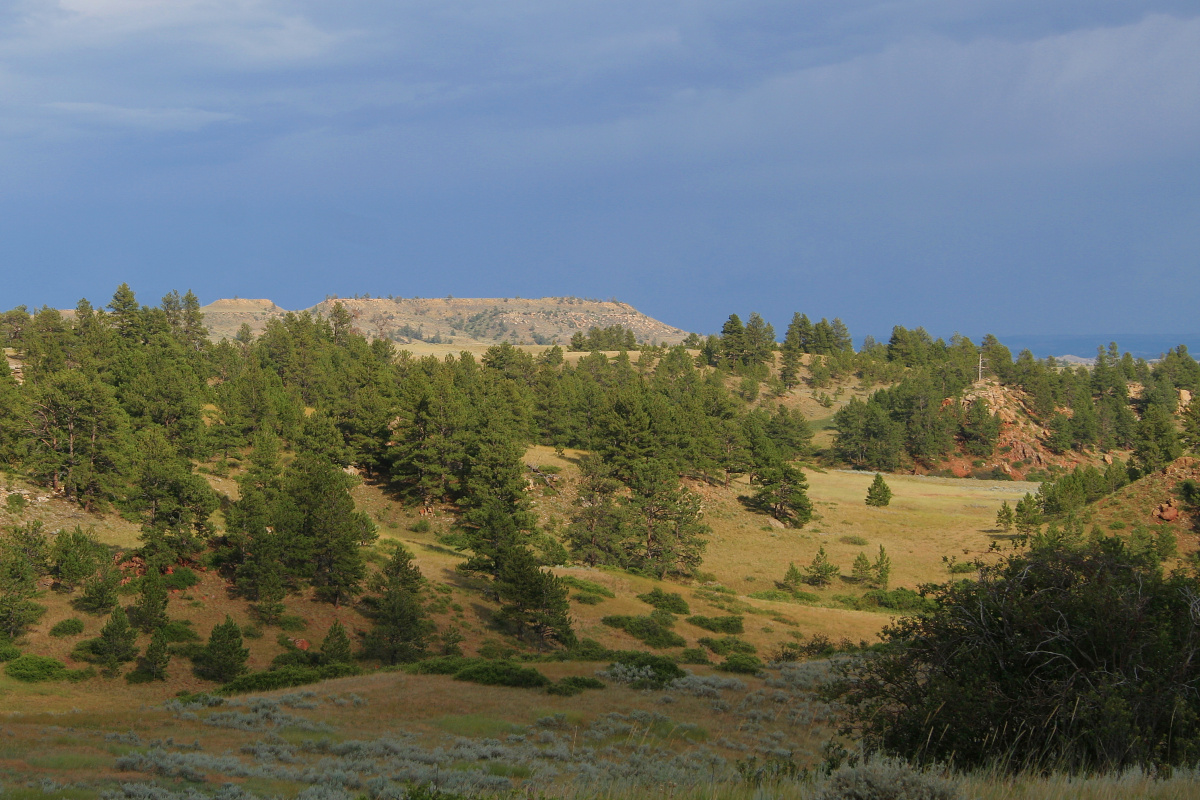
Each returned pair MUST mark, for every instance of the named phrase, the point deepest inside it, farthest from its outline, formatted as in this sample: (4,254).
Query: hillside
(459,321)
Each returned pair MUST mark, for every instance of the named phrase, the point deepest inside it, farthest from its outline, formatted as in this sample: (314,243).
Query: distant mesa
(456,320)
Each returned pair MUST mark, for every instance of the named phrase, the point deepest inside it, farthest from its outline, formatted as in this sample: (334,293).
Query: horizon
(1010,166)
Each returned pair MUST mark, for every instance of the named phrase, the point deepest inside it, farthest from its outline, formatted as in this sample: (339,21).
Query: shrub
(1106,638)
(9,651)
(854,539)
(573,685)
(694,655)
(35,669)
(741,663)
(72,626)
(650,630)
(582,585)
(502,673)
(885,779)
(420,526)
(728,624)
(442,665)
(588,650)
(784,596)
(587,598)
(671,602)
(179,630)
(180,579)
(726,645)
(287,676)
(291,623)
(659,670)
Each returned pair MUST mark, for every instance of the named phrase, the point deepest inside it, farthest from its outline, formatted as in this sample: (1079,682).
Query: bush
(573,685)
(9,651)
(785,596)
(591,587)
(420,526)
(1075,654)
(650,630)
(36,669)
(694,655)
(72,626)
(742,663)
(286,677)
(180,579)
(588,650)
(442,665)
(726,645)
(502,673)
(671,602)
(729,624)
(885,779)
(587,598)
(660,669)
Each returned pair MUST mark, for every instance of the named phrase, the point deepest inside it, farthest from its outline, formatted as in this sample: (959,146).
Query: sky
(993,166)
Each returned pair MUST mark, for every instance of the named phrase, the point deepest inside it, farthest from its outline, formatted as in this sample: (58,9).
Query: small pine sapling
(793,577)
(335,648)
(861,571)
(882,568)
(821,572)
(879,495)
(1005,518)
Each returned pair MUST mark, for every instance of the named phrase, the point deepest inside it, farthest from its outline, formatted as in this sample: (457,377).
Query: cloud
(152,119)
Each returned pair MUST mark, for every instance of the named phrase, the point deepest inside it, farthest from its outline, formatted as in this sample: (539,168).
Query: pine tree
(1028,517)
(534,601)
(74,556)
(158,656)
(861,571)
(879,494)
(1005,517)
(99,591)
(223,658)
(151,611)
(793,577)
(400,628)
(335,647)
(821,571)
(117,642)
(782,494)
(882,569)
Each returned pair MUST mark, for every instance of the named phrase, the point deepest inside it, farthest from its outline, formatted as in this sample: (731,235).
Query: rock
(1169,514)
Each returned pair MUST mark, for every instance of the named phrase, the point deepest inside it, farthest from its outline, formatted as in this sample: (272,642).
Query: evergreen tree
(1156,442)
(783,494)
(1005,518)
(151,612)
(1028,517)
(223,658)
(879,494)
(981,429)
(99,591)
(400,627)
(862,571)
(534,602)
(158,656)
(793,577)
(733,342)
(74,556)
(117,643)
(821,571)
(335,647)
(882,569)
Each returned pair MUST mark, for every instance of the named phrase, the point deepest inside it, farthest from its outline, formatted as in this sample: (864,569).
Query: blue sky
(997,165)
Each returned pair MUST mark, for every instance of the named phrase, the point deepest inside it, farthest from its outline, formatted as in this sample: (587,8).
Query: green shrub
(420,526)
(742,663)
(502,673)
(671,602)
(694,655)
(292,623)
(287,676)
(72,626)
(897,600)
(442,665)
(181,578)
(573,685)
(582,585)
(587,598)
(36,669)
(646,629)
(588,650)
(857,541)
(726,645)
(728,624)
(179,630)
(9,651)
(664,669)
